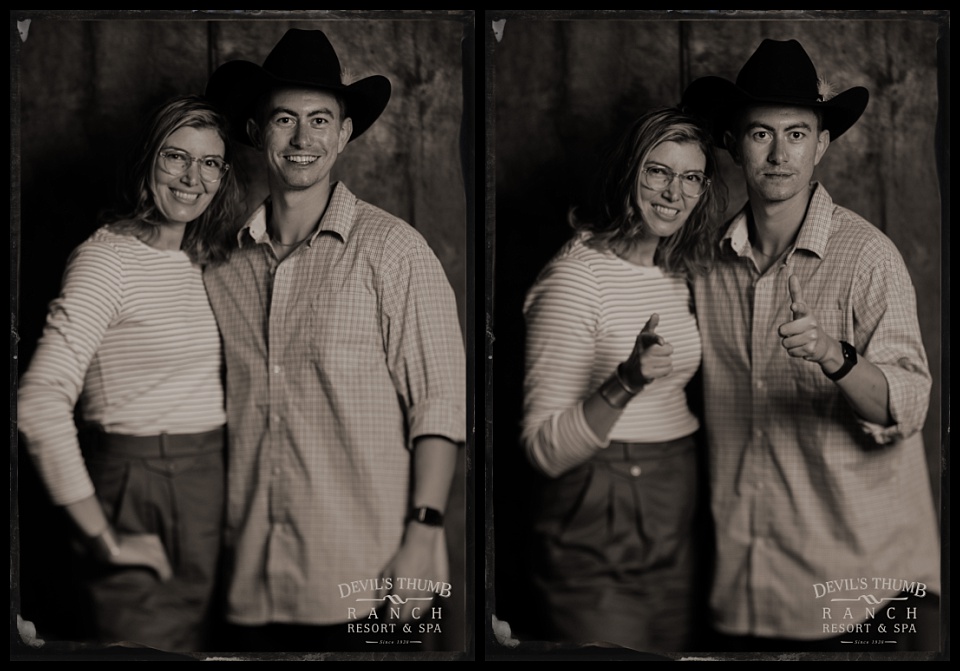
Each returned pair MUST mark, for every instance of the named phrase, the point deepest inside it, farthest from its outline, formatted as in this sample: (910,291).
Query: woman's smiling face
(183,198)
(664,212)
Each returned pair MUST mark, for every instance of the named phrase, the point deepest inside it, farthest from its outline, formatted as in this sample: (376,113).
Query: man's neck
(295,213)
(774,226)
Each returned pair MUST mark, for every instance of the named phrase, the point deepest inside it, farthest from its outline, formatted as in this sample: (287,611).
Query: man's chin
(299,182)
(777,195)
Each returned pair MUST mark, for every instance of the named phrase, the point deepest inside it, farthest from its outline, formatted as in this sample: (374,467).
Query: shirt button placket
(276,344)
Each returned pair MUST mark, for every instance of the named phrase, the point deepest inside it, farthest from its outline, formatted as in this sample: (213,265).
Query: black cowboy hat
(778,73)
(302,58)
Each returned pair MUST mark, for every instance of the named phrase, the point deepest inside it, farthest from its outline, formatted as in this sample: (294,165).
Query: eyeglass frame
(191,160)
(673,175)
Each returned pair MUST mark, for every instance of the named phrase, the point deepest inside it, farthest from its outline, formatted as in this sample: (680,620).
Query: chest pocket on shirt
(344,328)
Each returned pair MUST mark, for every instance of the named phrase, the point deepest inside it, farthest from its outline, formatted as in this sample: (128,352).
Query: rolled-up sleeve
(885,323)
(425,351)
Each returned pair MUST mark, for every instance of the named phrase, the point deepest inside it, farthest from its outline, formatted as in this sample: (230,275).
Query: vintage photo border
(467,147)
(498,645)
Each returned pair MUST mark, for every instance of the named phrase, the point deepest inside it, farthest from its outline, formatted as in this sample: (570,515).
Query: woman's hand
(650,359)
(143,550)
(121,549)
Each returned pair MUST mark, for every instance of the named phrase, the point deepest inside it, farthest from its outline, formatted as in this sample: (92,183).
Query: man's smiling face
(302,135)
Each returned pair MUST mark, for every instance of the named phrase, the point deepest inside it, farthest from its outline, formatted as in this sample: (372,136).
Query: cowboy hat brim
(236,86)
(716,99)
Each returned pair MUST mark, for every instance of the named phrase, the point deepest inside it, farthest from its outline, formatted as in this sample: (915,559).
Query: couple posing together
(801,319)
(271,408)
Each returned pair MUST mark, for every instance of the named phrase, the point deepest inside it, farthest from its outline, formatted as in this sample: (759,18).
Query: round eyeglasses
(658,178)
(175,162)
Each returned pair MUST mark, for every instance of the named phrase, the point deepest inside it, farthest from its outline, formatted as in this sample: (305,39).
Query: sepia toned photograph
(242,388)
(716,358)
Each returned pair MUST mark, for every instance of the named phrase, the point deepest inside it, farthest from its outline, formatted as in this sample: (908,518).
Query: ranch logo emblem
(382,613)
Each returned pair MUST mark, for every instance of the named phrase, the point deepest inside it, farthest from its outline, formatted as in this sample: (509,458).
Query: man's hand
(423,556)
(803,338)
(651,357)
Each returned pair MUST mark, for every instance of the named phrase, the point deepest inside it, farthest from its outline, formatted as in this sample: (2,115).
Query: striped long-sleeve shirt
(132,336)
(583,316)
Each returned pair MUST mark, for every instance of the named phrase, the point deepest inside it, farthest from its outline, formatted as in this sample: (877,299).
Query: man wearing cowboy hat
(816,387)
(345,375)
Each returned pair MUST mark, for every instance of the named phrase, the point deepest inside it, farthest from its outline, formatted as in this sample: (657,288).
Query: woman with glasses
(612,342)
(133,339)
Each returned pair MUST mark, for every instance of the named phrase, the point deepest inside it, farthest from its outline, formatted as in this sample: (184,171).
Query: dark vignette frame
(496,646)
(467,146)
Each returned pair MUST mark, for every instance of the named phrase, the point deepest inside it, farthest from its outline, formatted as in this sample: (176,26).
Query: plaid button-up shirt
(337,358)
(803,491)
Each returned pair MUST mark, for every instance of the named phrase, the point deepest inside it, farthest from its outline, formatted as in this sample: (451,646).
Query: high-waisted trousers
(613,547)
(171,485)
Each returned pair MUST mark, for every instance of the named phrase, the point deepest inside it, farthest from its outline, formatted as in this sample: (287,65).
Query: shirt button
(635,471)
(275,419)
(760,385)
(758,433)
(276,470)
(276,370)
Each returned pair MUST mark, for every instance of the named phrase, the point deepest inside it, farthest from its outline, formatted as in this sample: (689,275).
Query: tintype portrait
(715,334)
(242,389)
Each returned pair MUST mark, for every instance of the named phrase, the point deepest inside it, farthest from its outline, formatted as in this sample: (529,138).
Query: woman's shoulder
(113,236)
(103,241)
(106,247)
(578,255)
(571,276)
(574,260)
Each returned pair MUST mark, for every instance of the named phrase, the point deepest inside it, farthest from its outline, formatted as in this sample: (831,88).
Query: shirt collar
(338,218)
(813,235)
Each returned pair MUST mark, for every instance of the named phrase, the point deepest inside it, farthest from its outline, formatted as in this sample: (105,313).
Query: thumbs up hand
(802,337)
(797,305)
(651,357)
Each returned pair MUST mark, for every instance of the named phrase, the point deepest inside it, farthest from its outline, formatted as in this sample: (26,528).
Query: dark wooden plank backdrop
(83,82)
(562,88)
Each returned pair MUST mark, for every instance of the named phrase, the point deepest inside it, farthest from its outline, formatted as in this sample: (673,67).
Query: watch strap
(849,361)
(429,516)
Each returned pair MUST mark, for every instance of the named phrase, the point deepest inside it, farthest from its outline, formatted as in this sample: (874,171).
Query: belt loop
(163,445)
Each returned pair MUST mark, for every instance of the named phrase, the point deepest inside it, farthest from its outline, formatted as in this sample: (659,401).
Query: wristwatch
(849,361)
(429,516)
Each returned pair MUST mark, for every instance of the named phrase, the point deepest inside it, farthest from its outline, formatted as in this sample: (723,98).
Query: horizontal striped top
(583,316)
(132,336)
